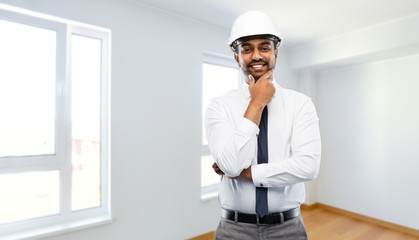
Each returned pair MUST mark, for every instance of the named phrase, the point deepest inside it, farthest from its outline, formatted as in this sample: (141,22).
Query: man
(265,141)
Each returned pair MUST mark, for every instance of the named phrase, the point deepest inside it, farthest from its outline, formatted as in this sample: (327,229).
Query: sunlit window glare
(216,80)
(27,90)
(85,119)
(29,195)
(28,100)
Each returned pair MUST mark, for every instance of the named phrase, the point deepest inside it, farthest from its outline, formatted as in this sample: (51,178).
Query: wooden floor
(322,224)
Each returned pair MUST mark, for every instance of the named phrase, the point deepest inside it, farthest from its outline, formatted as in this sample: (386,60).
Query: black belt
(272,218)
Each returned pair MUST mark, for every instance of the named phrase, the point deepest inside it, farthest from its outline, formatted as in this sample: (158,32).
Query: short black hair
(276,40)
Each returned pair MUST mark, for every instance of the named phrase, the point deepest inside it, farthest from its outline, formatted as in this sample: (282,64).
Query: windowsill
(209,196)
(61,228)
(209,192)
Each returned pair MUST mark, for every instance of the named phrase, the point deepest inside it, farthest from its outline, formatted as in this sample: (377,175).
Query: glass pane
(27,90)
(85,120)
(29,195)
(209,177)
(216,80)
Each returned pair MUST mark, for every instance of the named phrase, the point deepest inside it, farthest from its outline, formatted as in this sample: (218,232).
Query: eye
(245,50)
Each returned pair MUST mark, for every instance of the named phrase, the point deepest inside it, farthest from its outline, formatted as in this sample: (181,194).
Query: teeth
(257,66)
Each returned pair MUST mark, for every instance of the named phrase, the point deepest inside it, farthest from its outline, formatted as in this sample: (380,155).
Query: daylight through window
(219,75)
(54,122)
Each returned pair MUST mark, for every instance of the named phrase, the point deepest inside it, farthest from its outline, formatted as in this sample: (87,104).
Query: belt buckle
(257,219)
(282,218)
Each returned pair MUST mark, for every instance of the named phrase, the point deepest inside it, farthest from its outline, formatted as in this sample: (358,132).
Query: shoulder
(231,97)
(292,95)
(296,102)
(233,94)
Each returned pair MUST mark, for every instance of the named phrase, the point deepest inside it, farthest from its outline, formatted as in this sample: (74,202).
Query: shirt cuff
(249,128)
(258,174)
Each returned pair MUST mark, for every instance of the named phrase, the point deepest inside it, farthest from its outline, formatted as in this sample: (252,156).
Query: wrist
(254,111)
(247,174)
(256,105)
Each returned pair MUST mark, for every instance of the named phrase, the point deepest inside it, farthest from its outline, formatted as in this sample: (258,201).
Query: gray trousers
(289,230)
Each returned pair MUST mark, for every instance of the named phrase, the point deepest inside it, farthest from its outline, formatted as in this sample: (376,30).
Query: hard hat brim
(275,39)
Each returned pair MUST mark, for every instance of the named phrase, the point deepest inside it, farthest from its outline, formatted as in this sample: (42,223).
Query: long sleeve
(293,148)
(232,140)
(304,150)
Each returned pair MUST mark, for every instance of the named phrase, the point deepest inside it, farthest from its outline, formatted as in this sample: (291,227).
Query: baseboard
(205,236)
(309,207)
(364,218)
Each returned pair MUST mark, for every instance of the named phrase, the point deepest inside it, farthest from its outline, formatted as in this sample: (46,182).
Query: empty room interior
(102,108)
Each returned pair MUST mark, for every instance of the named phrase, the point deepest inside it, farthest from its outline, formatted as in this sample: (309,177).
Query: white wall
(156,116)
(306,82)
(283,74)
(365,86)
(370,130)
(368,116)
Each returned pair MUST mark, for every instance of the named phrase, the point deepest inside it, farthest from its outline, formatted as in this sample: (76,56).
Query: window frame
(67,219)
(211,191)
(30,162)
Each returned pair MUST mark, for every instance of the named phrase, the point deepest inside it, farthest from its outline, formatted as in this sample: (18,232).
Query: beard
(257,73)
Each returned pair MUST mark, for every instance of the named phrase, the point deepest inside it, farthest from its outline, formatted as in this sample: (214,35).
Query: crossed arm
(245,174)
(235,148)
(262,92)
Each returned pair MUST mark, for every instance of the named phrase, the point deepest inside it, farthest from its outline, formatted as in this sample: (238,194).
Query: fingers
(268,75)
(252,80)
(217,170)
(262,92)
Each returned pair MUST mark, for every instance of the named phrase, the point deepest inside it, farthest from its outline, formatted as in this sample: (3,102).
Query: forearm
(235,152)
(246,174)
(287,172)
(232,143)
(301,160)
(254,112)
(261,93)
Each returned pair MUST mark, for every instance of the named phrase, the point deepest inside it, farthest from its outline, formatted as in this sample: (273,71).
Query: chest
(281,120)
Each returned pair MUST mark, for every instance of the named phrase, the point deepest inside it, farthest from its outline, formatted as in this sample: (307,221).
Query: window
(219,75)
(54,138)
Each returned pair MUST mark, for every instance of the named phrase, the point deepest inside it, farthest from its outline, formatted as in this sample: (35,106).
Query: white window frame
(67,220)
(211,191)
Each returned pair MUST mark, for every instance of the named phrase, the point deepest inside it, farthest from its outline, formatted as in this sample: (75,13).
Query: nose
(256,55)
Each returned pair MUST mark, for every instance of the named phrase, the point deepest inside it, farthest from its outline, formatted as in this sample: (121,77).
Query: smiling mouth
(257,66)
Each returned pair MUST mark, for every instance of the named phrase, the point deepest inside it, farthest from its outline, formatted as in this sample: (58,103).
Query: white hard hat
(253,23)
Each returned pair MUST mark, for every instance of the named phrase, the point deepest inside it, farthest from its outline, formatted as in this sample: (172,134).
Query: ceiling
(300,21)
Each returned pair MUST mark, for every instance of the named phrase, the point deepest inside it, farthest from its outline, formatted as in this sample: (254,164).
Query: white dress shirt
(294,148)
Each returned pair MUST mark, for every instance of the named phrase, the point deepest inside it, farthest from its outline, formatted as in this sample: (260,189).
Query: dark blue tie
(262,192)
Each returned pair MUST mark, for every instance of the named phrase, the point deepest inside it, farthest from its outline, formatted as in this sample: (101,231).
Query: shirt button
(261,185)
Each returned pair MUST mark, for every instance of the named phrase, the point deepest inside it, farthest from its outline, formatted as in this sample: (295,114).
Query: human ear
(236,57)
